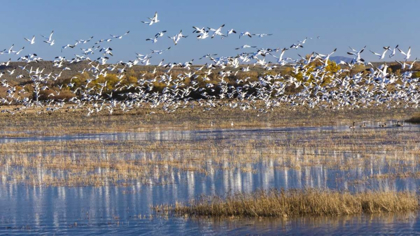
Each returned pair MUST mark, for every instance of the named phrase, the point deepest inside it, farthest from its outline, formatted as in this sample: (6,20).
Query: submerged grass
(363,156)
(294,203)
(151,151)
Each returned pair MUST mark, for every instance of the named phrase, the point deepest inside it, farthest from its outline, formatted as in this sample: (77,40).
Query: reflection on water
(126,210)
(210,134)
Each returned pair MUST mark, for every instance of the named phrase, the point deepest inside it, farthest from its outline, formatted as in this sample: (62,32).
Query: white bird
(157,35)
(407,54)
(49,40)
(203,35)
(67,46)
(357,54)
(10,51)
(84,41)
(32,40)
(403,64)
(202,32)
(153,20)
(231,31)
(327,57)
(107,50)
(177,37)
(381,56)
(280,58)
(261,35)
(160,34)
(87,51)
(11,71)
(245,34)
(102,60)
(17,53)
(393,52)
(410,67)
(245,46)
(120,36)
(217,31)
(299,44)
(199,30)
(154,39)
(160,51)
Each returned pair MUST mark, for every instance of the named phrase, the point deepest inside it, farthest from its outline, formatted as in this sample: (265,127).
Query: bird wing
(402,52)
(49,38)
(354,50)
(377,54)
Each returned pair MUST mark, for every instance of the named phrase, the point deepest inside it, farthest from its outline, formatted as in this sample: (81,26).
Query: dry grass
(292,203)
(141,160)
(147,160)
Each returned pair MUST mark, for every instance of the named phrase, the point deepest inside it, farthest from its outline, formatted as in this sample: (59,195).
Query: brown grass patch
(292,203)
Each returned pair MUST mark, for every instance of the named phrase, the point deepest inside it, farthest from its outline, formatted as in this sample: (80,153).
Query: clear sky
(339,23)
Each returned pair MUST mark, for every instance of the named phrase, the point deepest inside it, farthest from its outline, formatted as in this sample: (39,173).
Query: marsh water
(114,209)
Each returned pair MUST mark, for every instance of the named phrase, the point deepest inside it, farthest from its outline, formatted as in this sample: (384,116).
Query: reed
(295,203)
(141,160)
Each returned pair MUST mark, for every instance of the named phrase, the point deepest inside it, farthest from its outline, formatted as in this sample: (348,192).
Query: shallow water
(29,209)
(111,210)
(208,134)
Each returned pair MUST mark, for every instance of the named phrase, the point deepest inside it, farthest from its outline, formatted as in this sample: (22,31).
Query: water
(209,134)
(112,210)
(27,209)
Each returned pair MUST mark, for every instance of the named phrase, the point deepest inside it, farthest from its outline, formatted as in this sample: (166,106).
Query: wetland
(138,173)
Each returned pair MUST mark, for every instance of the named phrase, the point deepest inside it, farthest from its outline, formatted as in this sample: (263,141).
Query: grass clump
(415,119)
(293,203)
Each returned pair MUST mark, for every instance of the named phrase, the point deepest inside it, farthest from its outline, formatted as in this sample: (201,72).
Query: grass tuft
(415,119)
(292,203)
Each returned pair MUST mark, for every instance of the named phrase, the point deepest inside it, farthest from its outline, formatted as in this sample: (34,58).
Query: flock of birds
(314,84)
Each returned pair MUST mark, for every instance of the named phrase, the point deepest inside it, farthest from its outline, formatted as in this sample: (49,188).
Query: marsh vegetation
(293,203)
(283,164)
(126,150)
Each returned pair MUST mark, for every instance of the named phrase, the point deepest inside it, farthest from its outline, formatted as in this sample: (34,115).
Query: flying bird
(120,36)
(217,31)
(152,21)
(393,52)
(261,35)
(49,40)
(381,56)
(177,37)
(245,34)
(245,46)
(32,40)
(407,54)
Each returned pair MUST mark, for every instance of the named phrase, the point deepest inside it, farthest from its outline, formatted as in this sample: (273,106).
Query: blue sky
(339,24)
